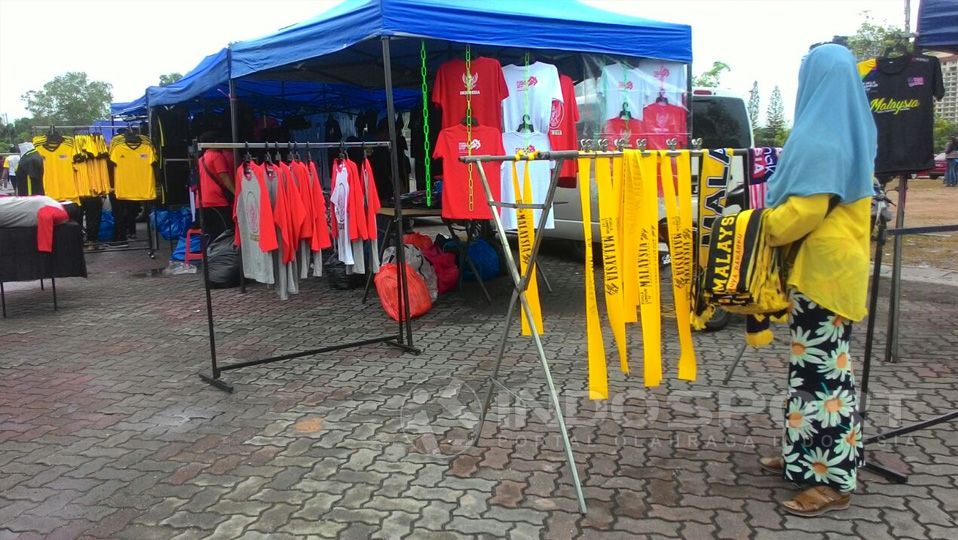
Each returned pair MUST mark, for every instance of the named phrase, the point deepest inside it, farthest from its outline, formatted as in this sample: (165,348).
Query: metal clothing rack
(402,339)
(891,337)
(521,283)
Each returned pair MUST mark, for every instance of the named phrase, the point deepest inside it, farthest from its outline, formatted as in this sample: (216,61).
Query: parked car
(721,120)
(938,170)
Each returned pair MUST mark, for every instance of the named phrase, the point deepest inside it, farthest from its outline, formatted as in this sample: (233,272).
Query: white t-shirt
(621,85)
(656,76)
(539,175)
(534,86)
(12,162)
(339,198)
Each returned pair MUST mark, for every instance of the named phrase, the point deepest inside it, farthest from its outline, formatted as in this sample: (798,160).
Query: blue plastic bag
(172,224)
(180,251)
(485,258)
(107,226)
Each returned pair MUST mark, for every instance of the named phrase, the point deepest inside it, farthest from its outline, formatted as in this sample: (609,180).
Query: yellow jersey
(59,170)
(133,178)
(831,266)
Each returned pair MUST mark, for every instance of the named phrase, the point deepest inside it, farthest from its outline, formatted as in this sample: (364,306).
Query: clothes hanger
(625,114)
(662,98)
(469,121)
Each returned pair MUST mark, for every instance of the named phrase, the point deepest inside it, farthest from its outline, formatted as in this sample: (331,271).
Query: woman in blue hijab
(820,199)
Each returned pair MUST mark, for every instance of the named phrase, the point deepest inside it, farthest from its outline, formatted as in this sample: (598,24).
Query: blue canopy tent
(938,25)
(343,51)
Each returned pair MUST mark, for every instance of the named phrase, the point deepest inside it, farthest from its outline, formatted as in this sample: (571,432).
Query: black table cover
(20,260)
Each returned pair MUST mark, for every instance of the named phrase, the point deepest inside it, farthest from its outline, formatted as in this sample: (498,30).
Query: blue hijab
(833,143)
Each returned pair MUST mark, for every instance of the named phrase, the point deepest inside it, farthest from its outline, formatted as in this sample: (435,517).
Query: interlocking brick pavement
(106,431)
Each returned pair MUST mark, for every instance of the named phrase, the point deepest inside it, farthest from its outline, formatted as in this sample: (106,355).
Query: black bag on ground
(335,272)
(223,259)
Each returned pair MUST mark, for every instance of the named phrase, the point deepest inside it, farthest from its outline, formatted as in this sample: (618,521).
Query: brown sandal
(774,465)
(817,500)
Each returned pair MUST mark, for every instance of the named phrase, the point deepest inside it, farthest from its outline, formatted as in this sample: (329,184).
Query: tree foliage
(872,39)
(169,78)
(14,132)
(754,103)
(711,78)
(70,98)
(943,130)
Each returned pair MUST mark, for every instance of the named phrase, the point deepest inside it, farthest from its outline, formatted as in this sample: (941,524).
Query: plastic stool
(187,254)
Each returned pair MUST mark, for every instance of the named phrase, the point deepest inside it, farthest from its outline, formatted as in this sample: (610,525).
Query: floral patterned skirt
(822,443)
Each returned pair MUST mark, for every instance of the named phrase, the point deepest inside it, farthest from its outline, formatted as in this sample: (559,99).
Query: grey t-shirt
(257,264)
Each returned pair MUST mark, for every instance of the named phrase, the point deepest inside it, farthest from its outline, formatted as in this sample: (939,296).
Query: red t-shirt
(562,132)
(663,121)
(618,128)
(486,86)
(452,144)
(217,162)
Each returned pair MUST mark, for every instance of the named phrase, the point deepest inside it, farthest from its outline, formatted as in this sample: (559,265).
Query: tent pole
(234,137)
(403,293)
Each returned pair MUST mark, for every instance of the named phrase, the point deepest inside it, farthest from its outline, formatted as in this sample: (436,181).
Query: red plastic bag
(444,264)
(419,240)
(387,286)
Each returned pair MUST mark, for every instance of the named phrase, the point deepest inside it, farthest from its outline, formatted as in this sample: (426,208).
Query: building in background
(947,108)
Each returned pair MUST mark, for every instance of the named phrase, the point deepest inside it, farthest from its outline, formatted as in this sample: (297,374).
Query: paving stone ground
(107,432)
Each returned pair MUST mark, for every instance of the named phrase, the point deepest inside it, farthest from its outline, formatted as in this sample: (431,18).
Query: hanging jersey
(59,174)
(619,128)
(661,122)
(562,129)
(133,176)
(659,78)
(372,208)
(462,193)
(532,89)
(255,228)
(619,86)
(484,85)
(339,199)
(901,92)
(539,175)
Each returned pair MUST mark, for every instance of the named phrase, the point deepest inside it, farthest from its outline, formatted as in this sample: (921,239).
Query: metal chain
(469,89)
(427,160)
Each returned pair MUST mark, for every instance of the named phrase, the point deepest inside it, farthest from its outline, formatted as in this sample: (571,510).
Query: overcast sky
(129,43)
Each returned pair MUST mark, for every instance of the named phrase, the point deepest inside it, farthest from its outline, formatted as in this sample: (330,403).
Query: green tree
(775,114)
(169,78)
(14,132)
(754,103)
(872,39)
(70,98)
(710,79)
(943,131)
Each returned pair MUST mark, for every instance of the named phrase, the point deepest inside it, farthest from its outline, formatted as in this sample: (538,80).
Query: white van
(719,118)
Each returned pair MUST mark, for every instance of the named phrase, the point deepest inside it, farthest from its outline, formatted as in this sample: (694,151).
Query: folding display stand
(521,283)
(897,232)
(402,339)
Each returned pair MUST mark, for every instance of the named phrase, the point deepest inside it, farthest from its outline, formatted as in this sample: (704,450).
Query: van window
(721,122)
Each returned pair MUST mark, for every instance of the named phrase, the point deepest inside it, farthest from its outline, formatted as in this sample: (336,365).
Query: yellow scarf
(679,217)
(598,373)
(527,236)
(713,182)
(643,171)
(610,194)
